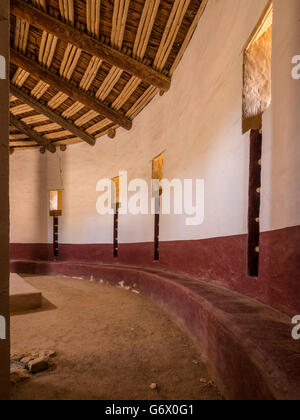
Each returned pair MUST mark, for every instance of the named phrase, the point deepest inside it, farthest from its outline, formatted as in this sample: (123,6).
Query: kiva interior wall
(28,198)
(198,125)
(280,210)
(281,148)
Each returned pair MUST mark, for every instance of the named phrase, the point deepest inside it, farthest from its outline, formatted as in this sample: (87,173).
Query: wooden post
(156,229)
(116,231)
(4,208)
(157,175)
(55,237)
(254,202)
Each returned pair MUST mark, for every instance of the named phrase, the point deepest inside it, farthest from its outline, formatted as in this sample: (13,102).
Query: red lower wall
(220,260)
(30,251)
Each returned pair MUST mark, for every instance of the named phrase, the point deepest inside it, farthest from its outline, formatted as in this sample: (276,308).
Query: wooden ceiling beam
(66,87)
(53,116)
(31,133)
(44,22)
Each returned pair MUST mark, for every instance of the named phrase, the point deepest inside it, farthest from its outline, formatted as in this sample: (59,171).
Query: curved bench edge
(236,362)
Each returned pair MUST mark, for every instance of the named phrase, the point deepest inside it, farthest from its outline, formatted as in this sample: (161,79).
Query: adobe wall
(198,124)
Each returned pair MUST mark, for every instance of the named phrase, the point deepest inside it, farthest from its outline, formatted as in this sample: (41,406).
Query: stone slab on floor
(22,296)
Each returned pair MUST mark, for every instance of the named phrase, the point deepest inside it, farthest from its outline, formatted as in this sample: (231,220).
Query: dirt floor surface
(111,344)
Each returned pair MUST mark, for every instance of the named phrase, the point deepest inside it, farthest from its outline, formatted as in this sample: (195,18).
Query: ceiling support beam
(44,22)
(73,92)
(53,116)
(31,133)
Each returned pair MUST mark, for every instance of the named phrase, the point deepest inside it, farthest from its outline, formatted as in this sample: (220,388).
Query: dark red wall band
(219,260)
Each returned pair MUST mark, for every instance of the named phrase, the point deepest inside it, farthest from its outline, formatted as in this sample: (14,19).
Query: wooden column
(55,237)
(116,231)
(156,229)
(4,207)
(254,202)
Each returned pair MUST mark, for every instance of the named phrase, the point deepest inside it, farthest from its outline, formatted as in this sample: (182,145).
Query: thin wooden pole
(55,237)
(116,231)
(254,202)
(156,229)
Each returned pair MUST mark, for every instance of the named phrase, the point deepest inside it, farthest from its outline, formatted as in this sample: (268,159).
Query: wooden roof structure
(79,69)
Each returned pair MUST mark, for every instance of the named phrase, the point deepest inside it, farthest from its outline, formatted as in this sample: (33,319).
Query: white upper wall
(28,198)
(198,124)
(281,141)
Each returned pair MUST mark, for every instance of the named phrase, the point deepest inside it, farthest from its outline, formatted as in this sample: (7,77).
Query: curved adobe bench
(247,345)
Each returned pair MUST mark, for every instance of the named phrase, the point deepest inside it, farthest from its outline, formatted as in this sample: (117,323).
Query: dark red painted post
(156,229)
(254,202)
(55,237)
(116,231)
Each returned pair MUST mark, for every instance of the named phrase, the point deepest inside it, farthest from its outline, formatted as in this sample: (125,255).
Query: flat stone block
(22,296)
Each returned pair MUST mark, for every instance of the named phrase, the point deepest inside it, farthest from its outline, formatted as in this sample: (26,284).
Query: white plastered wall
(28,197)
(281,140)
(198,124)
